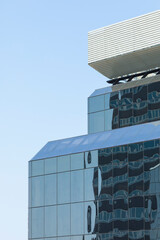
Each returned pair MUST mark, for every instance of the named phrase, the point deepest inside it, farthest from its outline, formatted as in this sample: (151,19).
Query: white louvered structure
(126,47)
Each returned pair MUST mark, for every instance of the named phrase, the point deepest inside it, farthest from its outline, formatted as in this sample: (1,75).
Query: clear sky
(44,85)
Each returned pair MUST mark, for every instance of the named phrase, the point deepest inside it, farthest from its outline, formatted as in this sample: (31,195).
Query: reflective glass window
(138,235)
(111,119)
(136,213)
(91,159)
(29,223)
(96,103)
(77,238)
(125,115)
(140,94)
(50,189)
(114,99)
(91,218)
(77,186)
(77,161)
(37,167)
(50,221)
(64,163)
(77,216)
(154,101)
(96,122)
(29,192)
(151,212)
(126,96)
(50,165)
(90,237)
(107,100)
(136,178)
(64,220)
(37,222)
(64,187)
(135,152)
(120,235)
(37,193)
(29,169)
(91,184)
(120,155)
(140,112)
(105,217)
(120,214)
(106,236)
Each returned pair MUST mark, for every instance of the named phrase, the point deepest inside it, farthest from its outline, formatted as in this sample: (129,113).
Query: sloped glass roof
(117,137)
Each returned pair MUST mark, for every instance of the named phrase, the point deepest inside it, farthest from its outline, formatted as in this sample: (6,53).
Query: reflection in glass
(64,220)
(140,93)
(120,214)
(120,155)
(64,163)
(77,218)
(37,192)
(105,236)
(77,161)
(37,222)
(50,189)
(50,221)
(140,112)
(91,184)
(37,167)
(118,235)
(111,119)
(114,99)
(90,237)
(77,183)
(105,217)
(136,213)
(96,122)
(126,96)
(154,101)
(139,235)
(125,115)
(64,187)
(90,218)
(50,165)
(91,159)
(96,103)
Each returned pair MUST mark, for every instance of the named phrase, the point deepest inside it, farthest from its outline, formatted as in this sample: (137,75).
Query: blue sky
(44,84)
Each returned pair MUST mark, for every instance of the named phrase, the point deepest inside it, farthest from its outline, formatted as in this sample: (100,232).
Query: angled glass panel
(140,94)
(37,222)
(126,96)
(64,226)
(29,223)
(140,112)
(114,99)
(37,193)
(120,214)
(91,159)
(63,163)
(50,189)
(50,165)
(91,184)
(64,187)
(29,192)
(37,167)
(77,216)
(77,161)
(111,119)
(105,217)
(106,172)
(91,218)
(77,186)
(50,221)
(29,169)
(136,213)
(96,103)
(125,115)
(96,122)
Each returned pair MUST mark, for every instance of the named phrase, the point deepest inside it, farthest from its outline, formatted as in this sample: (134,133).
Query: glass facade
(106,194)
(123,108)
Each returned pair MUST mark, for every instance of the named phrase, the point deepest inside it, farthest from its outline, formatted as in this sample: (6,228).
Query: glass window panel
(125,115)
(138,235)
(152,212)
(96,122)
(50,189)
(105,218)
(37,193)
(37,222)
(120,214)
(91,184)
(64,187)
(136,178)
(29,223)
(111,119)
(77,183)
(29,169)
(107,100)
(77,216)
(91,219)
(62,238)
(140,112)
(121,235)
(91,159)
(120,181)
(37,167)
(50,221)
(105,236)
(126,96)
(120,155)
(136,213)
(64,220)
(29,192)
(77,238)
(50,165)
(77,161)
(96,103)
(64,163)
(114,99)
(135,152)
(91,237)
(140,93)
(154,101)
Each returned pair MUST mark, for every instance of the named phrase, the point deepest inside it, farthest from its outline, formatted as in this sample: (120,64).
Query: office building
(106,185)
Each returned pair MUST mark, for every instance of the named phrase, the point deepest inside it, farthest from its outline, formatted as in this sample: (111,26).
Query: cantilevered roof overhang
(116,137)
(126,47)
